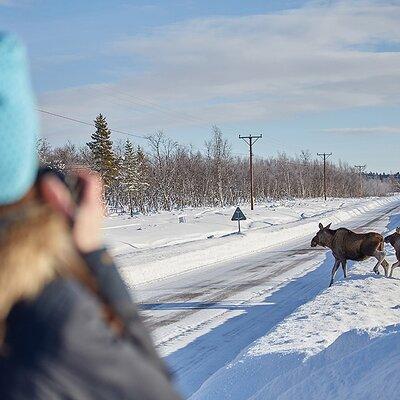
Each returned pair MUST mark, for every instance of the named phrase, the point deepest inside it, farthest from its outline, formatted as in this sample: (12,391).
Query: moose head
(393,237)
(322,237)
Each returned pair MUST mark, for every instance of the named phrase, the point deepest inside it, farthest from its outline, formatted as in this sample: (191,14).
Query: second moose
(348,245)
(394,240)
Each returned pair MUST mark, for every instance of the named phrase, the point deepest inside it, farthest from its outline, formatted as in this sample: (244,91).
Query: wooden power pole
(251,140)
(325,156)
(360,169)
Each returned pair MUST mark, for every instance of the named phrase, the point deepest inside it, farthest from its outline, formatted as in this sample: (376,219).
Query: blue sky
(317,75)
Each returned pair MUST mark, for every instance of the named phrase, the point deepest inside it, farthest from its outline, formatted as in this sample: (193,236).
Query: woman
(68,327)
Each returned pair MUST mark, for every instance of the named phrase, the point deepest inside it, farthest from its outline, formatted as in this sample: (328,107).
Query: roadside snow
(357,366)
(154,247)
(344,344)
(364,303)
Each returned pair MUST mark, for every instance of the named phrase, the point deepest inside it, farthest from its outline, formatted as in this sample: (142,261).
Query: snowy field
(251,316)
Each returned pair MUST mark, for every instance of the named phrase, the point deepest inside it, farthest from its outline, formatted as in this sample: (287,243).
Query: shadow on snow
(199,305)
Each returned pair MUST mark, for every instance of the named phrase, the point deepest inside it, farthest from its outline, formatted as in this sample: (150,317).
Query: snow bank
(343,344)
(193,251)
(356,366)
(358,304)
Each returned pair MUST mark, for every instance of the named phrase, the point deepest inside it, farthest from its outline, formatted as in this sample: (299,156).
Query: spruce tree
(103,158)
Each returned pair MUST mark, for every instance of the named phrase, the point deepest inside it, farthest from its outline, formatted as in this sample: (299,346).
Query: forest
(166,175)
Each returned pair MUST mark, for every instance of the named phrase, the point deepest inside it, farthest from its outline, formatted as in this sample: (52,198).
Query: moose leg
(386,267)
(395,265)
(380,256)
(334,269)
(344,267)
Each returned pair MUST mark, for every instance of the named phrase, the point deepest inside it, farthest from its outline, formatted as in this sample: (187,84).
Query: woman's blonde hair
(36,247)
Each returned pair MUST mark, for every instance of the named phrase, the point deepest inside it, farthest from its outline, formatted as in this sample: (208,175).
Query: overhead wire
(148,106)
(278,161)
(89,124)
(145,137)
(183,115)
(151,106)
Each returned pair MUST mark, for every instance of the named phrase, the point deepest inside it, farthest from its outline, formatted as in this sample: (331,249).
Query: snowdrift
(356,366)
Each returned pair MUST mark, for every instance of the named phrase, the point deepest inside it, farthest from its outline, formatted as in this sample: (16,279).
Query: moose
(394,240)
(348,245)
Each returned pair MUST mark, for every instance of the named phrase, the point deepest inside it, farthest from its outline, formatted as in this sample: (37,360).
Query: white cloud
(252,68)
(371,130)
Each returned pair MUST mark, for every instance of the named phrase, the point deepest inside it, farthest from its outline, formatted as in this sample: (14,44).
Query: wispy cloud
(252,68)
(374,130)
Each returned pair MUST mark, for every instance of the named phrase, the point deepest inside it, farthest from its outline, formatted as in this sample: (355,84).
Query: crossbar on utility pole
(251,140)
(325,156)
(360,171)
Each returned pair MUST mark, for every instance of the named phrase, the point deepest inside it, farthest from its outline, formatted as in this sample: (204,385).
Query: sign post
(238,216)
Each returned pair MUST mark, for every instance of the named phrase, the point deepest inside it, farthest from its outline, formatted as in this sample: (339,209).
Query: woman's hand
(87,216)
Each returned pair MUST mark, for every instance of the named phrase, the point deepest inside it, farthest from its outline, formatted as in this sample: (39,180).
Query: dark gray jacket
(59,347)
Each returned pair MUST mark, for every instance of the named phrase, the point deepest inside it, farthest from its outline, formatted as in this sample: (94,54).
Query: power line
(112,130)
(183,116)
(149,107)
(88,123)
(274,160)
(276,143)
(174,114)
(166,110)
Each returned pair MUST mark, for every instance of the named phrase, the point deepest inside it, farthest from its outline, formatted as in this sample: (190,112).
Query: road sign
(238,216)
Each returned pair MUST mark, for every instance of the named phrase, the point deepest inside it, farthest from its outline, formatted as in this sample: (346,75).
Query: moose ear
(320,226)
(328,226)
(398,229)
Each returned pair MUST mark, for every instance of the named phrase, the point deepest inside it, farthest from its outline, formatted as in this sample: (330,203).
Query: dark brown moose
(394,240)
(348,245)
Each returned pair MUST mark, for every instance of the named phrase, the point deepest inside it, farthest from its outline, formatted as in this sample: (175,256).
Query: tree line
(167,175)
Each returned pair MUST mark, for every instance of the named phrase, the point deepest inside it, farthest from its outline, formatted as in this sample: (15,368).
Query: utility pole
(325,156)
(251,140)
(360,169)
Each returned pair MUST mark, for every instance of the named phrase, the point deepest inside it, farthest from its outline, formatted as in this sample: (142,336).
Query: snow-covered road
(202,320)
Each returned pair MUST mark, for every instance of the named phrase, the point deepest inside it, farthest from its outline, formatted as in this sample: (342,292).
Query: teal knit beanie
(18,123)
